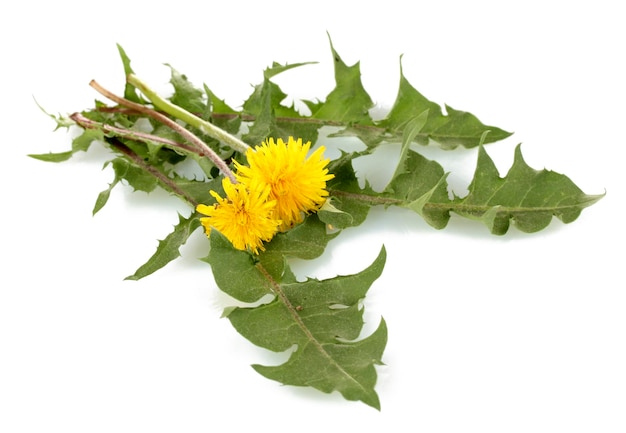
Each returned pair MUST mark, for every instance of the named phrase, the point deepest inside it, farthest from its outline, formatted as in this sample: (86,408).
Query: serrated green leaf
(136,177)
(222,115)
(457,128)
(198,191)
(348,102)
(347,367)
(168,248)
(80,143)
(103,197)
(61,121)
(334,217)
(346,194)
(271,118)
(307,241)
(52,157)
(130,92)
(321,318)
(418,180)
(277,68)
(528,197)
(186,95)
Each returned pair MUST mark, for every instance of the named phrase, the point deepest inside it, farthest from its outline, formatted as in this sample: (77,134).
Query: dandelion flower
(297,183)
(245,216)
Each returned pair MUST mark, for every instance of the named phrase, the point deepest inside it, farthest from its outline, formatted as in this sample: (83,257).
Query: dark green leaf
(186,95)
(169,248)
(306,241)
(235,272)
(136,177)
(334,217)
(528,197)
(271,118)
(346,194)
(321,318)
(348,102)
(457,128)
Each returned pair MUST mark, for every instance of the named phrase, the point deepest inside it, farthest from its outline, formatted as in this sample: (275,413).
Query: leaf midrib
(275,287)
(463,207)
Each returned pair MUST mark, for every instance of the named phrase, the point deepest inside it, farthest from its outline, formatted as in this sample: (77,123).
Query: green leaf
(80,143)
(528,197)
(136,177)
(52,157)
(335,218)
(235,272)
(271,118)
(306,241)
(222,115)
(130,92)
(103,197)
(186,95)
(348,102)
(346,194)
(84,140)
(458,128)
(417,180)
(322,319)
(168,248)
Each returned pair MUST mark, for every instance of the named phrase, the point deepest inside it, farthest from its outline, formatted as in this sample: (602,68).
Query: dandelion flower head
(297,183)
(245,216)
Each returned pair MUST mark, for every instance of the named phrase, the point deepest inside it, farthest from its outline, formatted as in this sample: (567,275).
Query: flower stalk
(187,117)
(200,146)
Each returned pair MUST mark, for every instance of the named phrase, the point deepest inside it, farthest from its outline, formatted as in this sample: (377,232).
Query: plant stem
(127,133)
(187,117)
(200,146)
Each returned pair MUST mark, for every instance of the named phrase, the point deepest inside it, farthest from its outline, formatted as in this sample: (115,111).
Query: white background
(520,333)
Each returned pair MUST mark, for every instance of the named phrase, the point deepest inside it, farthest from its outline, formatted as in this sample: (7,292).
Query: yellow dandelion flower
(245,216)
(298,183)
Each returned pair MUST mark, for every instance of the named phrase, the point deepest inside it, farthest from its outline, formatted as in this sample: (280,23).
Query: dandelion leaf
(271,118)
(346,194)
(322,319)
(418,180)
(528,197)
(457,128)
(168,248)
(348,102)
(187,96)
(130,92)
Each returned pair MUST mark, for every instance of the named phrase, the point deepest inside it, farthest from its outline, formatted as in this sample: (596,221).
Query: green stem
(187,117)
